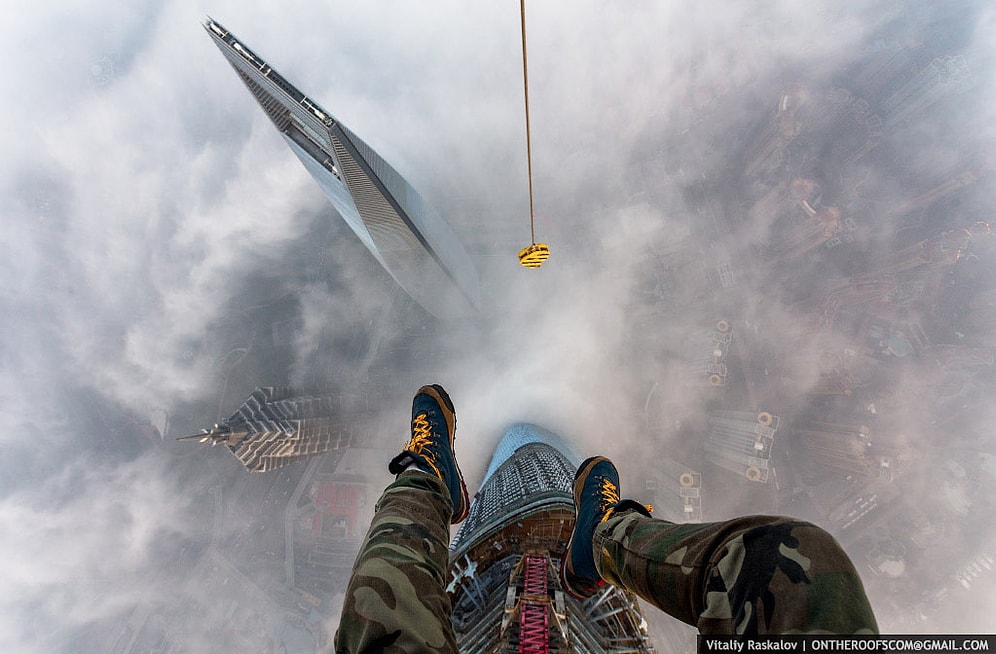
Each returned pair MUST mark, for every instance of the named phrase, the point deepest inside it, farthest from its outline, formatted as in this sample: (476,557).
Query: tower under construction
(506,557)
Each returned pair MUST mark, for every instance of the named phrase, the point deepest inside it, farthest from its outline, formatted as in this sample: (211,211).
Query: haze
(164,253)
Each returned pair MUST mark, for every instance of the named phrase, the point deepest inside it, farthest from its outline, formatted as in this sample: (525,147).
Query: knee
(796,549)
(820,548)
(798,573)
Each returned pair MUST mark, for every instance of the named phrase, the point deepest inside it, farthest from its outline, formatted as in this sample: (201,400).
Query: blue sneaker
(596,498)
(431,446)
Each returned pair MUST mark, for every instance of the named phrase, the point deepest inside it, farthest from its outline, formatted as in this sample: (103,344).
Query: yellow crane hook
(533,255)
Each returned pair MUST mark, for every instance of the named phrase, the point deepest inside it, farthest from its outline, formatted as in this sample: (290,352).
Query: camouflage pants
(750,575)
(396,600)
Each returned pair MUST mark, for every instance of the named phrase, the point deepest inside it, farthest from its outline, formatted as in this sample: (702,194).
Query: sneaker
(431,446)
(596,498)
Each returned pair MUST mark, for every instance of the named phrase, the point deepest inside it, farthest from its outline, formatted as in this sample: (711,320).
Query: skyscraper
(406,236)
(712,363)
(506,587)
(274,428)
(842,449)
(767,148)
(740,441)
(943,78)
(677,492)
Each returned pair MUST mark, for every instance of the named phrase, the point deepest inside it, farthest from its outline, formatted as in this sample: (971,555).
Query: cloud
(90,527)
(163,250)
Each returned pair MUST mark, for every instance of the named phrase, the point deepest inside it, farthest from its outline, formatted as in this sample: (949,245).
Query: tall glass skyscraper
(406,236)
(506,557)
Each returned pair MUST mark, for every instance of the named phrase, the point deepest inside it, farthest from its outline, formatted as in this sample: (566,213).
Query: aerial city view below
(770,290)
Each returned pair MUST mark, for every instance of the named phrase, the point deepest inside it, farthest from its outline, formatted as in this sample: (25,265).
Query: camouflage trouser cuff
(414,484)
(609,538)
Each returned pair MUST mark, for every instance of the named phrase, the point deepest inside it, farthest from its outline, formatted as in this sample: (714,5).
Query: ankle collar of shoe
(625,506)
(407,459)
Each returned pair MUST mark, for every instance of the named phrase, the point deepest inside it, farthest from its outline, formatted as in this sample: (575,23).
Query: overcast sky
(142,189)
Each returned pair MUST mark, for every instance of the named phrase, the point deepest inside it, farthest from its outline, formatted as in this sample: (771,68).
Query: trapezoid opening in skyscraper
(409,239)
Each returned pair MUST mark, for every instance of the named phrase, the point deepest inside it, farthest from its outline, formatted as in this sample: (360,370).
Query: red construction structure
(534,608)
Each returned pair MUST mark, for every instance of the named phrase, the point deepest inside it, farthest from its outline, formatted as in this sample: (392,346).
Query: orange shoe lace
(421,440)
(610,497)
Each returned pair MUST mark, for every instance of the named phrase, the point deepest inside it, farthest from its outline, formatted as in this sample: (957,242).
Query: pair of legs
(750,575)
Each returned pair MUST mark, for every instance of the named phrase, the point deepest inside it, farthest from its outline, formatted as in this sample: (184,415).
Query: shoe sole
(436,392)
(580,477)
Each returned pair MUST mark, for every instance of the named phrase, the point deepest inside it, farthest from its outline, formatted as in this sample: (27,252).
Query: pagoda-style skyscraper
(506,557)
(274,428)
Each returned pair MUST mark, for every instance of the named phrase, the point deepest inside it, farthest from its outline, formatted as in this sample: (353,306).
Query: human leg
(396,599)
(751,575)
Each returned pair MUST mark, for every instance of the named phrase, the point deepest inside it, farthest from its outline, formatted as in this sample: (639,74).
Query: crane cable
(533,255)
(525,93)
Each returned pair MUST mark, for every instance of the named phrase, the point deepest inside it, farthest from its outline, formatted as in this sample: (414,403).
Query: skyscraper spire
(274,428)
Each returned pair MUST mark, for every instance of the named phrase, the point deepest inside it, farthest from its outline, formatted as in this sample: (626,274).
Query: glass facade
(407,237)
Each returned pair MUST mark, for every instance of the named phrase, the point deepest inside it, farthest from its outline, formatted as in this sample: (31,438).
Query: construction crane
(531,256)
